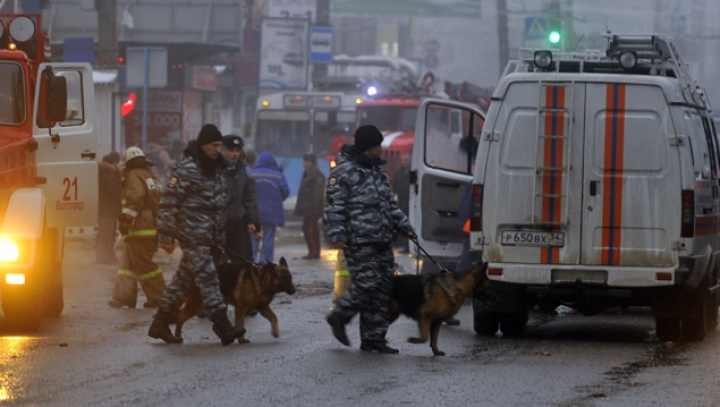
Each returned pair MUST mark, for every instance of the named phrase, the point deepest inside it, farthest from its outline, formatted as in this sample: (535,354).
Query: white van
(596,184)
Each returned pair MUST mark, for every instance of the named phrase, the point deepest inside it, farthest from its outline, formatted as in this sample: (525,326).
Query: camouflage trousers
(136,266)
(371,268)
(196,269)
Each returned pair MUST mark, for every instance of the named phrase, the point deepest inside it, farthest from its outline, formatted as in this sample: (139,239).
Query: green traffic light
(554,37)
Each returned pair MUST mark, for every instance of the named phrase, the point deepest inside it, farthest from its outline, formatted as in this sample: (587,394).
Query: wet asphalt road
(94,355)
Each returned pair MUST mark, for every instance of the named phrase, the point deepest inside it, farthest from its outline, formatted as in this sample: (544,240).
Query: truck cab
(595,185)
(48,176)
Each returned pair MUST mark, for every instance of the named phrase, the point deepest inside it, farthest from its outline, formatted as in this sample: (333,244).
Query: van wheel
(513,324)
(711,312)
(693,329)
(667,329)
(485,323)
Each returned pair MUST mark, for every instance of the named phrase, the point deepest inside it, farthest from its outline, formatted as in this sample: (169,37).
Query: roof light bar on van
(542,59)
(628,59)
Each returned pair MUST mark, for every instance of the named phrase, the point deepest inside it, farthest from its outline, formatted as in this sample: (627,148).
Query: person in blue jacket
(272,189)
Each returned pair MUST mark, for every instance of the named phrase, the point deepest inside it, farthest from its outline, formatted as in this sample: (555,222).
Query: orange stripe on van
(707,224)
(612,174)
(553,158)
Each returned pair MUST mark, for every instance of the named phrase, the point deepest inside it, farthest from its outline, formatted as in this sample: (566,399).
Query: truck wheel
(52,301)
(21,306)
(485,323)
(513,324)
(667,329)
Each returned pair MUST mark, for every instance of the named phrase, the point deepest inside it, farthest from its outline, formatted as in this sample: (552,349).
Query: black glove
(124,222)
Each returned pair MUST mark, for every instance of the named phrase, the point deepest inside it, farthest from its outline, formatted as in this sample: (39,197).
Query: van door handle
(88,154)
(593,187)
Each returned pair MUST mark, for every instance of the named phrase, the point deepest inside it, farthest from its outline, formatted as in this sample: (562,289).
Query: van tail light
(688,213)
(476,205)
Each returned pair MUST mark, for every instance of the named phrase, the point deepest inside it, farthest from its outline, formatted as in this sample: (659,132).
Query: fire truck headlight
(628,59)
(542,59)
(372,91)
(15,250)
(14,279)
(9,251)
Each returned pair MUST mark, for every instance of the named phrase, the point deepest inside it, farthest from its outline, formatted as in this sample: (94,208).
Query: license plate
(531,238)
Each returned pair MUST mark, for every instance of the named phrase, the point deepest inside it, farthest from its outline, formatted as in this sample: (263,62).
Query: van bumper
(617,276)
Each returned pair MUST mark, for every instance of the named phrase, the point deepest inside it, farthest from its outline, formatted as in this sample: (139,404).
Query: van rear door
(631,188)
(443,159)
(533,175)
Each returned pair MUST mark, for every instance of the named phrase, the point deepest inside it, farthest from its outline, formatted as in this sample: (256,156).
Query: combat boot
(338,328)
(378,346)
(160,328)
(224,329)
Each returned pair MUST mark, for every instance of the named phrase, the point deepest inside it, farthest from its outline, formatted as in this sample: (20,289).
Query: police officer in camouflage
(361,216)
(193,211)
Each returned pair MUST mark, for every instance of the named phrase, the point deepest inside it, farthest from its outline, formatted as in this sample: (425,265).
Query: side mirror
(56,102)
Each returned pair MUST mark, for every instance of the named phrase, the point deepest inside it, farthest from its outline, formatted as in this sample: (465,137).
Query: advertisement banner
(283,53)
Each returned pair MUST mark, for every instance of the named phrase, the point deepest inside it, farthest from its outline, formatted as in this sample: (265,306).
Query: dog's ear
(283,262)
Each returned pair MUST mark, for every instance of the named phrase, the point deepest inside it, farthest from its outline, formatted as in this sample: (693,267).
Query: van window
(699,144)
(712,143)
(451,139)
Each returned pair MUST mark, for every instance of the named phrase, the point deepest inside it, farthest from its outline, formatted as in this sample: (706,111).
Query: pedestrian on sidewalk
(362,216)
(242,204)
(142,191)
(110,191)
(272,189)
(310,204)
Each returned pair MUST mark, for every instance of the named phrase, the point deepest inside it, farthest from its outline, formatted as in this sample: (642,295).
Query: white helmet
(133,152)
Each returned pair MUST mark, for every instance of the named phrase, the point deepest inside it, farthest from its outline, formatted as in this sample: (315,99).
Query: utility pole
(107,33)
(504,46)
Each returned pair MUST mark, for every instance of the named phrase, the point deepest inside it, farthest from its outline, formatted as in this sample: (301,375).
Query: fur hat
(209,134)
(367,137)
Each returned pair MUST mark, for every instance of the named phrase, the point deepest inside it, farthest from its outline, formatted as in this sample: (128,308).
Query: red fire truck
(48,176)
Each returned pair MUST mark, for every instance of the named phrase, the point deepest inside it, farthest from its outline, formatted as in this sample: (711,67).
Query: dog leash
(414,239)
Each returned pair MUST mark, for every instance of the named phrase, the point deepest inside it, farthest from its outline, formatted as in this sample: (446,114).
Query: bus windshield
(283,133)
(12,94)
(388,118)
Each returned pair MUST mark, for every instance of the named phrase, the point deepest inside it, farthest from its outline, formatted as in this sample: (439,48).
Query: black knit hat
(233,142)
(367,137)
(209,134)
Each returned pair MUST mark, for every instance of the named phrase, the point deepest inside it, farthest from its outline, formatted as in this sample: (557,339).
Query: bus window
(283,133)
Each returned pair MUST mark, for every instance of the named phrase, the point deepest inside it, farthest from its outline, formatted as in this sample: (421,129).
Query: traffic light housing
(554,32)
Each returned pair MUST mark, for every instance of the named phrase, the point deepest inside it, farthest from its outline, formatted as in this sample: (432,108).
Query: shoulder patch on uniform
(173,181)
(332,180)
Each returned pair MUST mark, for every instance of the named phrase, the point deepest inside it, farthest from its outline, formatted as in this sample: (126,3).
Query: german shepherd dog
(246,286)
(430,300)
